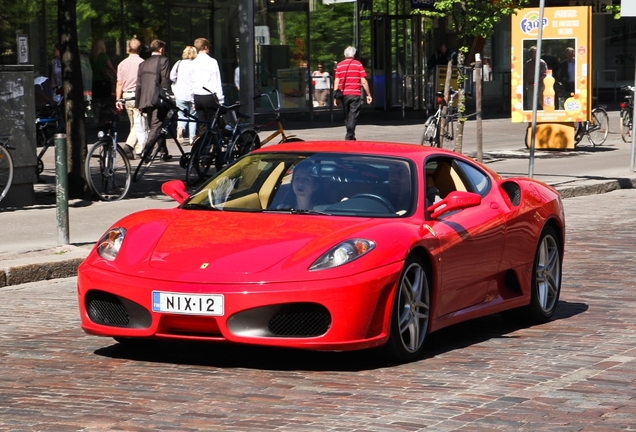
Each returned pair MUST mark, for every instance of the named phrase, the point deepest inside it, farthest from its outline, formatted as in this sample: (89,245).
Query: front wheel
(410,313)
(6,172)
(579,131)
(288,140)
(430,131)
(599,128)
(107,172)
(626,126)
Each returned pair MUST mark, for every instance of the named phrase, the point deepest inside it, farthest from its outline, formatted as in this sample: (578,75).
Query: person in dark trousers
(350,77)
(567,72)
(144,92)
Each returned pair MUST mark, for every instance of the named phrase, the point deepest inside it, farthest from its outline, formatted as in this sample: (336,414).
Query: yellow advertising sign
(565,78)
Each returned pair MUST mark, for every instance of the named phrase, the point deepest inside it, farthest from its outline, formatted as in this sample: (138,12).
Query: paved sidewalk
(29,248)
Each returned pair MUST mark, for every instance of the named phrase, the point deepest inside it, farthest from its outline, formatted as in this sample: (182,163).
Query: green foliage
(473,18)
(14,15)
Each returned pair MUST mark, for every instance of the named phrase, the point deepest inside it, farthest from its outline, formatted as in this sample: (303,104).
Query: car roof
(412,151)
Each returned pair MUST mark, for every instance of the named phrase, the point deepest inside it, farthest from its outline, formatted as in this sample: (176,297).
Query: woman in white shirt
(181,77)
(321,85)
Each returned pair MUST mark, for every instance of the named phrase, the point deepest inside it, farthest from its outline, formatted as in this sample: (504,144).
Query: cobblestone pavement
(575,373)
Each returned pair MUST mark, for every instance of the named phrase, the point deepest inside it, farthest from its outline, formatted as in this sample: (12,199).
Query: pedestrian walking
(125,88)
(350,78)
(206,76)
(321,85)
(181,77)
(145,90)
(103,71)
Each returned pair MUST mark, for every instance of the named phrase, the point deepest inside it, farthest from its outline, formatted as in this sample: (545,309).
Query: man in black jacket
(145,90)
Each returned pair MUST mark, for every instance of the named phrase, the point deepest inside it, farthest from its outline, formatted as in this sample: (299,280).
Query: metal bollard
(61,187)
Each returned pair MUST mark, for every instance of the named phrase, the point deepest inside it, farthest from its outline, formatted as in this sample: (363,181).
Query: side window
(479,182)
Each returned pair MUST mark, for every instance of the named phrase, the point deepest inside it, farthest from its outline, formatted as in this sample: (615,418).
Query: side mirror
(176,190)
(454,201)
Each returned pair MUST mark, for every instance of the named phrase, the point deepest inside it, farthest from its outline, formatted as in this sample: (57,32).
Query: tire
(598,134)
(430,131)
(206,155)
(626,126)
(288,140)
(410,314)
(579,131)
(447,131)
(192,176)
(246,142)
(546,282)
(146,160)
(107,182)
(6,172)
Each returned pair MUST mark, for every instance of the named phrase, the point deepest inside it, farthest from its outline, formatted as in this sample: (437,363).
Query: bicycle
(277,120)
(48,123)
(6,165)
(440,126)
(151,150)
(107,168)
(627,111)
(596,129)
(220,143)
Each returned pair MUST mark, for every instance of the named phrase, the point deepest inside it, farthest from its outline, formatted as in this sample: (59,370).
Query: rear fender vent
(513,191)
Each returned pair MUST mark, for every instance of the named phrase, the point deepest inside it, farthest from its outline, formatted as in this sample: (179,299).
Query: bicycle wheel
(448,129)
(108,175)
(192,176)
(246,142)
(6,171)
(148,156)
(597,133)
(430,131)
(626,126)
(207,155)
(288,140)
(579,131)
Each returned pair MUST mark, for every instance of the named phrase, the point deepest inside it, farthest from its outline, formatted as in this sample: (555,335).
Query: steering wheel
(376,198)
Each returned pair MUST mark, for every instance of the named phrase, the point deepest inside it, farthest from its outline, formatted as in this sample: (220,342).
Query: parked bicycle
(627,112)
(151,150)
(48,123)
(221,142)
(440,126)
(107,168)
(280,131)
(6,165)
(596,129)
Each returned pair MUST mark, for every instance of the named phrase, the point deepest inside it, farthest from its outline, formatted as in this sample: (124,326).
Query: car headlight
(343,253)
(110,243)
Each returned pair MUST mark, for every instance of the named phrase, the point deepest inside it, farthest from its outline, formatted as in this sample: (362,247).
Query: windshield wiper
(198,207)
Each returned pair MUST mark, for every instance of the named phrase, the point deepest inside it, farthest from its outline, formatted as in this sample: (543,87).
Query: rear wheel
(430,131)
(579,131)
(626,126)
(288,140)
(6,172)
(108,175)
(546,282)
(246,142)
(410,313)
(192,176)
(600,127)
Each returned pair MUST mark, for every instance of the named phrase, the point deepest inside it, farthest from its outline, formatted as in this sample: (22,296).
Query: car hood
(214,246)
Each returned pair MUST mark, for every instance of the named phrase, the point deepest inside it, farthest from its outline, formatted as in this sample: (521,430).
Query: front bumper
(329,314)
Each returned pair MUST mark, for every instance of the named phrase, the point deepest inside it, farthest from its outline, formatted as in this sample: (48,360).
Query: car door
(471,239)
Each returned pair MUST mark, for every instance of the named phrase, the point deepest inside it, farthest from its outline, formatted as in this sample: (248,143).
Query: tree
(470,19)
(74,108)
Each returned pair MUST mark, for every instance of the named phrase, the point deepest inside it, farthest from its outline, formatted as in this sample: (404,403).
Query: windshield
(311,183)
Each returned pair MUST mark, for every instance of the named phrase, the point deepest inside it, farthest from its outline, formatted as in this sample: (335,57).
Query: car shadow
(221,355)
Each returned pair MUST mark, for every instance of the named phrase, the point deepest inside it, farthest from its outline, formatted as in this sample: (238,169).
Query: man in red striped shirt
(350,77)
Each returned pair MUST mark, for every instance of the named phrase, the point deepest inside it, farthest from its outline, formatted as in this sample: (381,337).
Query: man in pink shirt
(126,84)
(350,77)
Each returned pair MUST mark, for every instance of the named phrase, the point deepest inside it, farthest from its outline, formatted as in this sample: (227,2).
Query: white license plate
(189,304)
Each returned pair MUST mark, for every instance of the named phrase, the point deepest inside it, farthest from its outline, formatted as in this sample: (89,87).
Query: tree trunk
(447,101)
(74,106)
(461,107)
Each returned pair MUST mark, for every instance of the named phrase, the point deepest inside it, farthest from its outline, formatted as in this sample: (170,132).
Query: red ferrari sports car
(329,246)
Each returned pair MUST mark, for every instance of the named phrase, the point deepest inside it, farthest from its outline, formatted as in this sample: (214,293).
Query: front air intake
(300,320)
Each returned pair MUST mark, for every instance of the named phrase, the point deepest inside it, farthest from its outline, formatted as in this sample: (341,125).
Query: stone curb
(47,265)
